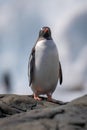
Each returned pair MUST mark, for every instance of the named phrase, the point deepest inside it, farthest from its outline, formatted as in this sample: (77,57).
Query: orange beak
(46,30)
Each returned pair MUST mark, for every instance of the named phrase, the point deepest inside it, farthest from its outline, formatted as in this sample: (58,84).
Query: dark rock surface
(24,113)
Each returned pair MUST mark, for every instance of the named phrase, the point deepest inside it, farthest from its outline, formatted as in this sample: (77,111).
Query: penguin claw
(37,98)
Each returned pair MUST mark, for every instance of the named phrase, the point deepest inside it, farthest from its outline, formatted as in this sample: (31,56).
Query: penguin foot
(50,99)
(36,97)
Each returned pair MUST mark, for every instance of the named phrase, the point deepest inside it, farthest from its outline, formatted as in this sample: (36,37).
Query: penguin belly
(46,67)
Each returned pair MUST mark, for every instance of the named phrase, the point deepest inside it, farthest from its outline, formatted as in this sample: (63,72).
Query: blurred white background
(20,22)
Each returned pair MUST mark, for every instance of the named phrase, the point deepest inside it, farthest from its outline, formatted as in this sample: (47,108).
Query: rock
(24,113)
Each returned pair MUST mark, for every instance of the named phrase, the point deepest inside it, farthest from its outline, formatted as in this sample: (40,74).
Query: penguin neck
(44,38)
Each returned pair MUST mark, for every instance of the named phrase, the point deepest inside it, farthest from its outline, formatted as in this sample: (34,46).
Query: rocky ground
(24,113)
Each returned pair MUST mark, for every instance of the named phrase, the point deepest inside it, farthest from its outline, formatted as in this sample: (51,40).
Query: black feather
(60,74)
(31,66)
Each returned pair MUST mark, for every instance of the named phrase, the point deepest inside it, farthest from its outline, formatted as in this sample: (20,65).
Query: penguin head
(45,32)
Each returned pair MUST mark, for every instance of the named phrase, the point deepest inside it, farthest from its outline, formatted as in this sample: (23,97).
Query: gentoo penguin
(44,67)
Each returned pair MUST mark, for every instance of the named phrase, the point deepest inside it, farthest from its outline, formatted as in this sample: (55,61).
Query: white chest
(46,52)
